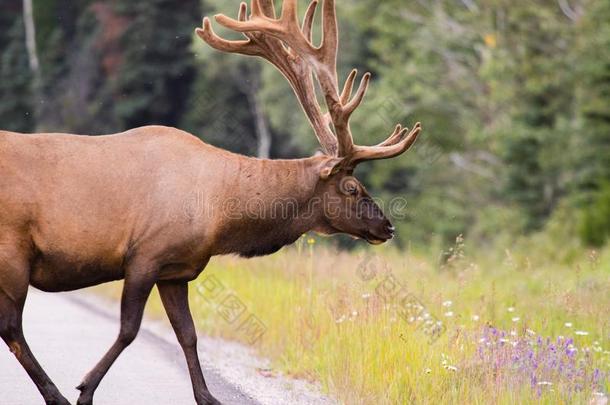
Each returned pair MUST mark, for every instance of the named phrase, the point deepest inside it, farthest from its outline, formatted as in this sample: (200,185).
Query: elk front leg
(174,296)
(135,293)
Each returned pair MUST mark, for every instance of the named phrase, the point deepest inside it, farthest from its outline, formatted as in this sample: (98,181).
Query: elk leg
(174,296)
(13,292)
(135,293)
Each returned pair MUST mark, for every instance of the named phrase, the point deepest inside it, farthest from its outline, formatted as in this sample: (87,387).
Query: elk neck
(266,205)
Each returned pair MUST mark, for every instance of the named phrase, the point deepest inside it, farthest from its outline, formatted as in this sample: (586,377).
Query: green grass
(326,322)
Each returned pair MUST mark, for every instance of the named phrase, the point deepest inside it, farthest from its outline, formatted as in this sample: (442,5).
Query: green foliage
(16,104)
(524,178)
(595,224)
(594,97)
(155,78)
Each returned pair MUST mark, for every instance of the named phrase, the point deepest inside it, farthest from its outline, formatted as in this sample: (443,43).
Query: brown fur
(151,206)
(154,204)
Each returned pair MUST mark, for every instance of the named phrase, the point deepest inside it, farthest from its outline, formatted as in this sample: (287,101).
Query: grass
(339,319)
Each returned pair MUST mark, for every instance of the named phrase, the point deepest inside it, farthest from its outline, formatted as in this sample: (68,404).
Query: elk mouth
(374,239)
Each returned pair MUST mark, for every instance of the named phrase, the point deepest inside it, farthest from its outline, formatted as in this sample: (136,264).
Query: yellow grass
(329,317)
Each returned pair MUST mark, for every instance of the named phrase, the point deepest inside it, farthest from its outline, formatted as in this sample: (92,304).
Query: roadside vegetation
(518,325)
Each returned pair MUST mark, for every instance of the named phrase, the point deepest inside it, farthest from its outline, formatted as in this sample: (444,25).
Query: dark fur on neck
(290,182)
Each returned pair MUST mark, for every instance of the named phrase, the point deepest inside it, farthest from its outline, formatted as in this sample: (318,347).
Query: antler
(288,46)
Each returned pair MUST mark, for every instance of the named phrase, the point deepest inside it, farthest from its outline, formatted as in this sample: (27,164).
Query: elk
(78,211)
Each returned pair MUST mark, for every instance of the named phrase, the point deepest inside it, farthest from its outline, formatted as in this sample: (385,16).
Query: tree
(16,98)
(155,78)
(593,90)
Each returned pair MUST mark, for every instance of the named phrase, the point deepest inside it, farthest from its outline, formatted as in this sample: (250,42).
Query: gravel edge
(234,362)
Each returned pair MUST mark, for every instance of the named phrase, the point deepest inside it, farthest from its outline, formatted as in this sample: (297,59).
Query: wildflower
(510,309)
(355,313)
(545,383)
(568,324)
(427,371)
(581,333)
(449,314)
(516,319)
(447,303)
(366,296)
(475,318)
(530,332)
(340,320)
(451,368)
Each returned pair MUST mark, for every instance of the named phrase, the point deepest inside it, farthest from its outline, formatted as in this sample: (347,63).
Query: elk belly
(59,272)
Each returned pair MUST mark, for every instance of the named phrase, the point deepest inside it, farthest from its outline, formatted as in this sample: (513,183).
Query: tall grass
(330,317)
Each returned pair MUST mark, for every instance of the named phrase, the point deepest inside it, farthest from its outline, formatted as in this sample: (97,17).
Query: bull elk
(78,211)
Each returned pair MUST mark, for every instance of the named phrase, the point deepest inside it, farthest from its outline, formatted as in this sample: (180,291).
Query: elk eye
(349,187)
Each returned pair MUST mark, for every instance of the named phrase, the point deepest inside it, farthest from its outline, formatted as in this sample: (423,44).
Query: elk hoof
(85,398)
(207,399)
(57,401)
(84,401)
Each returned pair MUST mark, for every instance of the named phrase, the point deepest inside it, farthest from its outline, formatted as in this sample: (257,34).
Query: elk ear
(330,167)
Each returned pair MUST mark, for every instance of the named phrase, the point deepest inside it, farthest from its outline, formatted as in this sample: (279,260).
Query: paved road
(69,337)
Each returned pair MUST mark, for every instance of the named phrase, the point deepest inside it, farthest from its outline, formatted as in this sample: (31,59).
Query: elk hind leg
(138,285)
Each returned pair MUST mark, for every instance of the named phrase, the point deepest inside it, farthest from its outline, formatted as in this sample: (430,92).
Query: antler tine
(255,6)
(308,20)
(363,153)
(397,135)
(244,47)
(243,11)
(289,16)
(348,87)
(268,8)
(330,42)
(357,100)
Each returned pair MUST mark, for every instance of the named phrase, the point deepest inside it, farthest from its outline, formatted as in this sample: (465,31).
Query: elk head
(288,45)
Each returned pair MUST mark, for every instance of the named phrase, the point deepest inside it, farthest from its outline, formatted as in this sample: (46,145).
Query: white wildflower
(475,318)
(447,304)
(581,333)
(449,314)
(516,319)
(568,324)
(510,309)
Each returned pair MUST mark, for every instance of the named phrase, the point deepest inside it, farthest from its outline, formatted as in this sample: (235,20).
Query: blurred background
(513,95)
(503,242)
